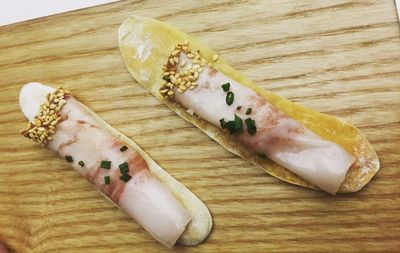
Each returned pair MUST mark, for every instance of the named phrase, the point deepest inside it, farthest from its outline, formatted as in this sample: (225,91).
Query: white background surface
(12,11)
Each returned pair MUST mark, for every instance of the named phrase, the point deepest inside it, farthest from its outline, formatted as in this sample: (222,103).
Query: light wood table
(340,57)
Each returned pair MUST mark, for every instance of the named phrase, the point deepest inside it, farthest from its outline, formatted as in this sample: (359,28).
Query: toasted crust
(201,224)
(145,45)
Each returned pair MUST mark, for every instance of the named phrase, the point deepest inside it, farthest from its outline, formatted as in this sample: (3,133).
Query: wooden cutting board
(340,57)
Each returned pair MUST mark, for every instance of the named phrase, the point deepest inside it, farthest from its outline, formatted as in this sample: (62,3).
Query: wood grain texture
(340,57)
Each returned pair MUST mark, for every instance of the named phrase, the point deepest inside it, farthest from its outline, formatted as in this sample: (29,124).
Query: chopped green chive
(123,148)
(124,168)
(81,163)
(125,177)
(166,78)
(229,98)
(238,123)
(107,180)
(226,86)
(238,108)
(232,125)
(69,158)
(105,165)
(248,111)
(251,126)
(223,123)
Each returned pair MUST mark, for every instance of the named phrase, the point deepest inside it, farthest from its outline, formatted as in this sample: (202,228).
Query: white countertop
(13,11)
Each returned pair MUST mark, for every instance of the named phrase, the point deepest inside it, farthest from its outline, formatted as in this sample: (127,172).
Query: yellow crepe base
(145,45)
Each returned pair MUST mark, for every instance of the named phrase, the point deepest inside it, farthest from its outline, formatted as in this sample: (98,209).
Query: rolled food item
(115,165)
(289,141)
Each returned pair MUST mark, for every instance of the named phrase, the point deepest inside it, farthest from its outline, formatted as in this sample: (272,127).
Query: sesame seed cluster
(179,75)
(44,124)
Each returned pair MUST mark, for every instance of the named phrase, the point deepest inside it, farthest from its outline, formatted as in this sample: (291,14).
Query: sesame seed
(173,79)
(184,78)
(37,122)
(43,125)
(215,57)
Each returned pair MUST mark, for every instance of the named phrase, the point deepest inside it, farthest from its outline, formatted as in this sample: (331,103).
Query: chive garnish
(231,126)
(223,123)
(107,180)
(248,111)
(166,78)
(81,163)
(123,148)
(238,123)
(226,86)
(229,98)
(238,108)
(105,165)
(69,158)
(124,168)
(125,177)
(251,126)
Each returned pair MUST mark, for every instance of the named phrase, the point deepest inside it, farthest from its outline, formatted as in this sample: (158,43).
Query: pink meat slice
(281,138)
(144,197)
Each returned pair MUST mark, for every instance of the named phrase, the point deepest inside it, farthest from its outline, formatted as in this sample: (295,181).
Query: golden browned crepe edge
(328,127)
